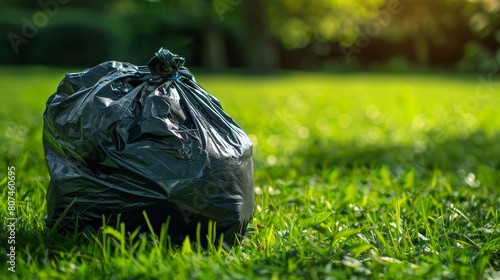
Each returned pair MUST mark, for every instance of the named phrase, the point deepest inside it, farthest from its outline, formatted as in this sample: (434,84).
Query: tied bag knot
(165,64)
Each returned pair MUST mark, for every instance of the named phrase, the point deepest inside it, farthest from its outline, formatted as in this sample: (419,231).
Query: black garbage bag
(121,139)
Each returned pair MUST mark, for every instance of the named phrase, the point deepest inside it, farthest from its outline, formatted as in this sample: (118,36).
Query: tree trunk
(261,53)
(421,49)
(214,48)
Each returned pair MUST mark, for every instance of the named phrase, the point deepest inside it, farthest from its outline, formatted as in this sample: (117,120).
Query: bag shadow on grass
(45,246)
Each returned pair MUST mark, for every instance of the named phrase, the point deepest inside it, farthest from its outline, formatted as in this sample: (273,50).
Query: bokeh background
(371,120)
(259,36)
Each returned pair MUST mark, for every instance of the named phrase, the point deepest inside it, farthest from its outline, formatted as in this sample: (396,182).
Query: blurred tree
(201,13)
(221,33)
(297,23)
(39,5)
(482,53)
(262,54)
(440,31)
(447,24)
(424,23)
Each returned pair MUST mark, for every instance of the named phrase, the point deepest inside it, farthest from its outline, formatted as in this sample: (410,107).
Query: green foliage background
(259,35)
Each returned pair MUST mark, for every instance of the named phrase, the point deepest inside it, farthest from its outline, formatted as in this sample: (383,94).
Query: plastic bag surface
(120,139)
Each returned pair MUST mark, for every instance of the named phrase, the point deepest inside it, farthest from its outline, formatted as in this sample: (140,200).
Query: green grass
(357,176)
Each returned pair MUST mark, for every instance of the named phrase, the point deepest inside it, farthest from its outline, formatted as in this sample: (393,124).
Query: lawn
(357,176)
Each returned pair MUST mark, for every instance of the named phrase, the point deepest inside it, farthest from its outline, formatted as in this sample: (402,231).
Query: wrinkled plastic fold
(120,139)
